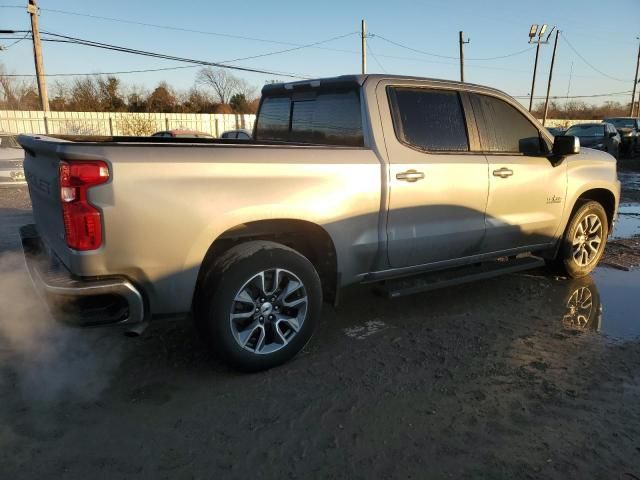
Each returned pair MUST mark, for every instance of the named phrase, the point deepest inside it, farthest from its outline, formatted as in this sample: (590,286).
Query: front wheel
(584,240)
(259,305)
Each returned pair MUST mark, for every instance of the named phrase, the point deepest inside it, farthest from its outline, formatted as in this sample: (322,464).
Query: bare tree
(17,94)
(224,84)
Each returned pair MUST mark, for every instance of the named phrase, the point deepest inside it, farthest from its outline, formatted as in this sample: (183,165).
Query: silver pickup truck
(367,178)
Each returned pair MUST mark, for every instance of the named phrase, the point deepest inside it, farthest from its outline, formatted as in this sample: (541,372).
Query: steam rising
(43,359)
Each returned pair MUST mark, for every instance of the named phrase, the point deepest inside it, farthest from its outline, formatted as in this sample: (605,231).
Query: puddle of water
(618,293)
(628,224)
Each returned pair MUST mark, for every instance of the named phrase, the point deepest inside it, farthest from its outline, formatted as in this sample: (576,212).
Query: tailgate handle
(410,176)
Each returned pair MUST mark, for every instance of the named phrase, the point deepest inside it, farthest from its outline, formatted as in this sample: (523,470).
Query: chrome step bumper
(60,288)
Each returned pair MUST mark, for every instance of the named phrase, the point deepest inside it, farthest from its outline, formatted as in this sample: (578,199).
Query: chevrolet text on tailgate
(351,179)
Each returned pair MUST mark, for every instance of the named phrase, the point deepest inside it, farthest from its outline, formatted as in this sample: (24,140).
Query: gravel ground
(524,376)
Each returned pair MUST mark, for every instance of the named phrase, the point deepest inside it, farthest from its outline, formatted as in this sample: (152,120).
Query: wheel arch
(604,197)
(303,236)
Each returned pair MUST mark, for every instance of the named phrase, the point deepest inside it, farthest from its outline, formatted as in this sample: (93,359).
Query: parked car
(629,130)
(11,160)
(555,131)
(600,136)
(182,134)
(353,179)
(240,134)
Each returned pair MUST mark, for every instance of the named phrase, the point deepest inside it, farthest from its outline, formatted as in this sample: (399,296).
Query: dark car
(555,131)
(599,136)
(11,160)
(629,130)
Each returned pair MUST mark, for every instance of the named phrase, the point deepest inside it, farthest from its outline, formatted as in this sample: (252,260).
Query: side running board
(446,278)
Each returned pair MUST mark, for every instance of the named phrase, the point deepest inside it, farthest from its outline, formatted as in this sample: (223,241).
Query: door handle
(503,172)
(410,176)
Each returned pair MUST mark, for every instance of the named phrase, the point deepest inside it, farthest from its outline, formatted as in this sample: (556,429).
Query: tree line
(215,91)
(579,110)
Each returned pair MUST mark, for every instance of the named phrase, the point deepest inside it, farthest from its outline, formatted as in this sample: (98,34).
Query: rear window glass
(329,118)
(429,119)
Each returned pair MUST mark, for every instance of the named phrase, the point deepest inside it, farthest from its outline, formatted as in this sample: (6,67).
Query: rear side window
(328,118)
(430,120)
(502,128)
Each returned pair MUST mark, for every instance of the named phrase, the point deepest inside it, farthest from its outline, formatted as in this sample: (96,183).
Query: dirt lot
(525,376)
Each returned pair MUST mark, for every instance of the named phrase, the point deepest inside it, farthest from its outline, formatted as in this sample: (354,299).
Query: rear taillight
(82,221)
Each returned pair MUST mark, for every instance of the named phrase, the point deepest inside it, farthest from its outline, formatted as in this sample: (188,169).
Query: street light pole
(533,33)
(553,61)
(533,82)
(635,84)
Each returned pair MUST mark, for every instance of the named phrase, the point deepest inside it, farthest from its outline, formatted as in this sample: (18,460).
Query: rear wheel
(259,305)
(584,240)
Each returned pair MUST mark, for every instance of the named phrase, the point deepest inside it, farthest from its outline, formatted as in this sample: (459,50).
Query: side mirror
(612,134)
(564,145)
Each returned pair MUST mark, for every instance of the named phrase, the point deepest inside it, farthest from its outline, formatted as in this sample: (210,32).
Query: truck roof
(357,80)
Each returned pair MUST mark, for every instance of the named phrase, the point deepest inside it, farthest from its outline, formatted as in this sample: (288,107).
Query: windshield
(621,122)
(586,131)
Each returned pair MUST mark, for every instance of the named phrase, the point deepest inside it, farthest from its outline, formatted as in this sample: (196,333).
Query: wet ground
(523,376)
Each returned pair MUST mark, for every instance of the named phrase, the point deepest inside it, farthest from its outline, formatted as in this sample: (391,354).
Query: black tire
(566,260)
(218,299)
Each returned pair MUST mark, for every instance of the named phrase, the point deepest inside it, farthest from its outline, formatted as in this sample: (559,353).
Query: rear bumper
(79,301)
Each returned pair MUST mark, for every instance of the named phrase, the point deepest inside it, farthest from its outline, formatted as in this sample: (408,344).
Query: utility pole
(553,61)
(533,32)
(462,42)
(32,8)
(635,84)
(363,34)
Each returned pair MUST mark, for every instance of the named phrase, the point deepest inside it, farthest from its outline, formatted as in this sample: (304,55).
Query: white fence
(106,123)
(109,123)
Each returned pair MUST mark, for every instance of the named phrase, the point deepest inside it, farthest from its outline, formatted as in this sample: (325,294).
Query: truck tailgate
(41,170)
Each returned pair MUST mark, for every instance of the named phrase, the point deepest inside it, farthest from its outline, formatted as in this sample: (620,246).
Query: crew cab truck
(364,178)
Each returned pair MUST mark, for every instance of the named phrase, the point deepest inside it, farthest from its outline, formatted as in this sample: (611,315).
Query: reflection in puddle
(584,310)
(607,302)
(628,224)
(619,294)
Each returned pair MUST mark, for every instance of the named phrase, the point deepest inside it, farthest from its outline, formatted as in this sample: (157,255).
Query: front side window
(327,118)
(504,129)
(430,120)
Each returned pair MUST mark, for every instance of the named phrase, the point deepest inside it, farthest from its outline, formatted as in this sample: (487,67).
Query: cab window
(504,129)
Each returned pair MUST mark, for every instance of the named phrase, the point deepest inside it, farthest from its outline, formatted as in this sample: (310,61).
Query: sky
(605,34)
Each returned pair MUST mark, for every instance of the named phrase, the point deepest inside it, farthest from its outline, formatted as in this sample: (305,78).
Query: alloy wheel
(268,311)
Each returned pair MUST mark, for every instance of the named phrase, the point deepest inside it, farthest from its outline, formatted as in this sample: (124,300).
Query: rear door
(437,186)
(526,192)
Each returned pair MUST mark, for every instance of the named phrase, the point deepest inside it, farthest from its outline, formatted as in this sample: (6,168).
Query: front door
(437,188)
(526,192)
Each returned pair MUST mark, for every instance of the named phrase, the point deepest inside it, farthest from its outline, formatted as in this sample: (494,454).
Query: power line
(431,54)
(300,47)
(564,37)
(120,72)
(79,41)
(6,47)
(375,58)
(190,30)
(611,94)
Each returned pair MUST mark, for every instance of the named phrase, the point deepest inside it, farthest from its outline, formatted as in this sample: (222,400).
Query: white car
(11,161)
(239,134)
